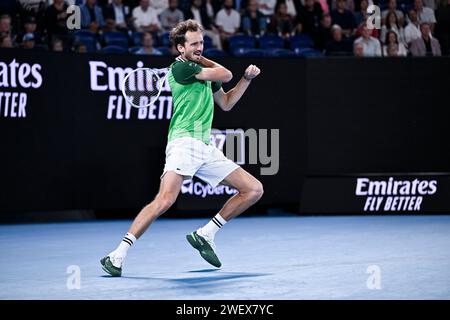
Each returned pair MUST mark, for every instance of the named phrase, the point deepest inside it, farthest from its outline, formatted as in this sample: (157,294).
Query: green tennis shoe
(205,247)
(108,267)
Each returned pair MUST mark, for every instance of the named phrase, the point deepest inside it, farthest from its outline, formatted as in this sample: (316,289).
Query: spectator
(228,20)
(282,23)
(392,24)
(57,45)
(28,41)
(267,7)
(253,21)
(412,30)
(392,8)
(6,41)
(443,26)
(349,5)
(344,18)
(30,27)
(431,4)
(324,5)
(56,19)
(5,26)
(425,45)
(358,32)
(145,17)
(392,40)
(91,16)
(372,47)
(147,46)
(80,47)
(323,33)
(214,6)
(358,49)
(198,12)
(338,46)
(424,14)
(171,16)
(309,17)
(361,14)
(159,5)
(118,14)
(392,51)
(294,7)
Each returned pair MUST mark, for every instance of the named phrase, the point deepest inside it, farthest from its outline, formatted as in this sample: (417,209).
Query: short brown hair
(178,33)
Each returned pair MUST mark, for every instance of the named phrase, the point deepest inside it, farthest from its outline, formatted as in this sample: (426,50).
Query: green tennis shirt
(193,102)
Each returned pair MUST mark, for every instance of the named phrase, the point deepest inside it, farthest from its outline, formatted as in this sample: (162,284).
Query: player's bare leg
(169,189)
(250,190)
(168,192)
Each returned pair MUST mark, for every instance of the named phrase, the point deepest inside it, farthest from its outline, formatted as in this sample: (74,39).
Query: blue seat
(271,41)
(207,43)
(248,52)
(275,52)
(90,43)
(137,38)
(165,39)
(133,50)
(84,34)
(212,52)
(308,52)
(241,41)
(301,41)
(113,50)
(116,39)
(165,51)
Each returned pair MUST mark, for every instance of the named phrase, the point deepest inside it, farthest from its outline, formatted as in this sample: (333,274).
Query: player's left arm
(227,100)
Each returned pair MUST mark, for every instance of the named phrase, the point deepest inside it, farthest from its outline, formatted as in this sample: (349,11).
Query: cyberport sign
(202,190)
(392,194)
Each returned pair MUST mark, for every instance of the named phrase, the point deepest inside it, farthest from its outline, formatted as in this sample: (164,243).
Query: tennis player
(196,83)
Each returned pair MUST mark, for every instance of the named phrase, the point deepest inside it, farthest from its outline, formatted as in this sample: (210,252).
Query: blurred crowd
(326,27)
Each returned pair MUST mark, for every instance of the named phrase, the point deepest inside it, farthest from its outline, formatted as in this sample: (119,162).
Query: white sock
(118,255)
(210,229)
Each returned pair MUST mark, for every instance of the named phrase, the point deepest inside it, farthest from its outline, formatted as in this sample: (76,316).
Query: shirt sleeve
(184,72)
(215,86)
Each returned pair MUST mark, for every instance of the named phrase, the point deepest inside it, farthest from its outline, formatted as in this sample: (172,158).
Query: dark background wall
(337,117)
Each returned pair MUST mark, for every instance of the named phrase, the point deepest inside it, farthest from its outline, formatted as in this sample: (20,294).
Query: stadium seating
(90,43)
(307,52)
(137,37)
(275,52)
(248,52)
(241,41)
(115,39)
(165,39)
(165,51)
(113,50)
(301,41)
(271,41)
(207,43)
(212,52)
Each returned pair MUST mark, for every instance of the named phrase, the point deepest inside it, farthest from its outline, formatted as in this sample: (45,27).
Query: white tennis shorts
(191,157)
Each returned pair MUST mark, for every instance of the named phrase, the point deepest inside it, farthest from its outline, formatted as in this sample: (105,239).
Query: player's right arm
(213,71)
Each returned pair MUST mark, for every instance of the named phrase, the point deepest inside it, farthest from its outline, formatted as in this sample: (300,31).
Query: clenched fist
(251,72)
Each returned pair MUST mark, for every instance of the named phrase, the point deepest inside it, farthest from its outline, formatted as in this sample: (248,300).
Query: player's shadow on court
(215,279)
